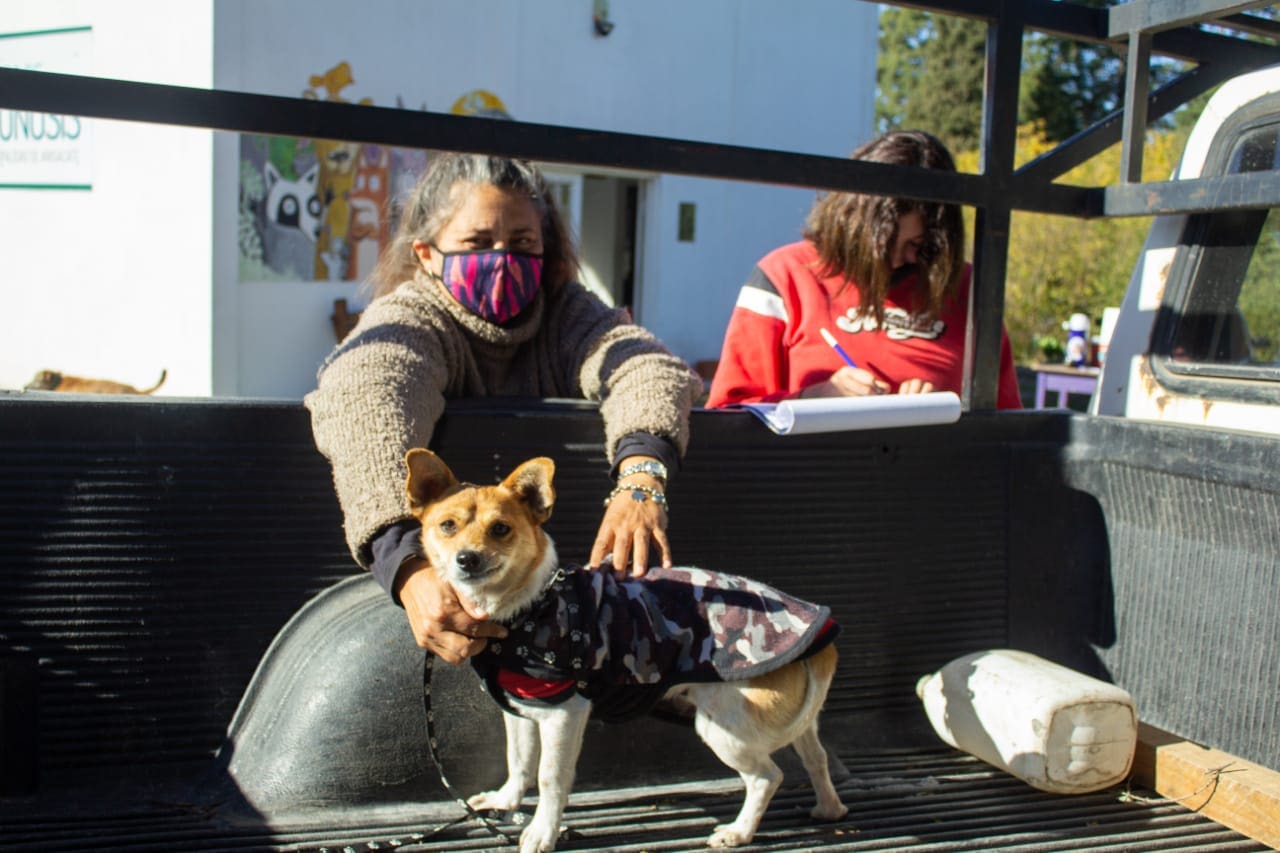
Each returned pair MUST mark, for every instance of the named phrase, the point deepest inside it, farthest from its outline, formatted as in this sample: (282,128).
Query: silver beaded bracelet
(654,469)
(640,494)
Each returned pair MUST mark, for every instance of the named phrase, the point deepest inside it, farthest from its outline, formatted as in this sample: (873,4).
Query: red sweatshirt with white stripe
(773,348)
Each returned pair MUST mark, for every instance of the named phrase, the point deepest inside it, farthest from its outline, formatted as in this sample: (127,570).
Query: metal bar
(1058,199)
(991,224)
(1137,82)
(1106,132)
(1252,24)
(1049,16)
(269,114)
(1193,45)
(1251,191)
(1149,16)
(1190,44)
(983,9)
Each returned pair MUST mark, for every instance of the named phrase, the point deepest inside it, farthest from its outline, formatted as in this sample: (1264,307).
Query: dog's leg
(759,773)
(814,757)
(522,761)
(560,729)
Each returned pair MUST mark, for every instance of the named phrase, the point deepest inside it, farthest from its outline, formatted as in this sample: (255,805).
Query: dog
(52,380)
(556,667)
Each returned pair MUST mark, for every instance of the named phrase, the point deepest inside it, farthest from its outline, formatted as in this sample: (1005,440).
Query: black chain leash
(433,748)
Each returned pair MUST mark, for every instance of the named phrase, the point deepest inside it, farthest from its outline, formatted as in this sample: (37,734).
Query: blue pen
(835,345)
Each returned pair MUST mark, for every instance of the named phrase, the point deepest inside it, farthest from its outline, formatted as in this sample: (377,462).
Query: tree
(1060,265)
(1067,86)
(930,75)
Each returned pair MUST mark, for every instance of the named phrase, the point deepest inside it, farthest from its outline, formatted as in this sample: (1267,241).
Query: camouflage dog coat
(623,644)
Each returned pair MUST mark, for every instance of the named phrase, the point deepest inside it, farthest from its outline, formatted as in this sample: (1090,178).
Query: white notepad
(835,414)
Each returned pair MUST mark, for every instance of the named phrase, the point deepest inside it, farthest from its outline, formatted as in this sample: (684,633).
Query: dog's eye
(448,527)
(499,529)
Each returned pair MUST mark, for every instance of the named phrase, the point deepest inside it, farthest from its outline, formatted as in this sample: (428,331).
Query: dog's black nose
(468,562)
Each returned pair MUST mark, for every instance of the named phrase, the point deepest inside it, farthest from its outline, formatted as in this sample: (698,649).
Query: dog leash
(514,817)
(434,749)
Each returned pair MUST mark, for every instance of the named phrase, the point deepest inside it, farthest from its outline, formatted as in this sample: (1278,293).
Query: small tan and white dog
(52,380)
(488,543)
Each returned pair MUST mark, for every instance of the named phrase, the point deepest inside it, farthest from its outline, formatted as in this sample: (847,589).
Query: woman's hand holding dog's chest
(629,526)
(442,622)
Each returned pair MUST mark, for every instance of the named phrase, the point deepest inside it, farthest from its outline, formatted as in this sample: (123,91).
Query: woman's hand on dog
(442,623)
(626,532)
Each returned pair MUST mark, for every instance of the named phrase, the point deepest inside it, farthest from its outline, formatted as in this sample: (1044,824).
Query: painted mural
(322,210)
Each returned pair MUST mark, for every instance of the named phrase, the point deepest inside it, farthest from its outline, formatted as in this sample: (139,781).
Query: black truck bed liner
(918,800)
(155,555)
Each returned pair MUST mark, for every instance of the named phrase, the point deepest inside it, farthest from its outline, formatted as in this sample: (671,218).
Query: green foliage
(1060,265)
(1049,349)
(1067,86)
(930,74)
(1259,296)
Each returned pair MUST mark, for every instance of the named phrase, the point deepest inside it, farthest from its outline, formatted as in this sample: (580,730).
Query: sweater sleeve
(379,394)
(640,385)
(753,359)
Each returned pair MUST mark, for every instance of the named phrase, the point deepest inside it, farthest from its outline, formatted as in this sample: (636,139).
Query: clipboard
(838,414)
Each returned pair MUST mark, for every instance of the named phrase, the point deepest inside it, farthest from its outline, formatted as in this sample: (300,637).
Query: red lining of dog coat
(527,687)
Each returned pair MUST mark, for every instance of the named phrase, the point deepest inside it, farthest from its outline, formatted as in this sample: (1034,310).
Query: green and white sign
(41,150)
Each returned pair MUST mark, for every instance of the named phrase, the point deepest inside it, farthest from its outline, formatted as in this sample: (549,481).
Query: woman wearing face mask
(885,277)
(475,297)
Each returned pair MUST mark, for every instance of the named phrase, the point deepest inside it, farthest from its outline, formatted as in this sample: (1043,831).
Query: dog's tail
(164,374)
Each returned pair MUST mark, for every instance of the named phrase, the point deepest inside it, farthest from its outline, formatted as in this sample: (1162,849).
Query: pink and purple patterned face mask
(493,284)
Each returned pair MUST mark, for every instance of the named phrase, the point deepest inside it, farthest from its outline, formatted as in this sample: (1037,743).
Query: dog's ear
(532,482)
(428,478)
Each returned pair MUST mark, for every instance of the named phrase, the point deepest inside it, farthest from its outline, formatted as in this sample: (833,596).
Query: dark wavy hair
(436,199)
(855,233)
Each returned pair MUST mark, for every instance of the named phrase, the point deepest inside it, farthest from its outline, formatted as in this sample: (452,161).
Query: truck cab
(1197,340)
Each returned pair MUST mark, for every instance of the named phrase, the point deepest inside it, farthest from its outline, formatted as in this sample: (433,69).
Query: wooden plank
(1236,793)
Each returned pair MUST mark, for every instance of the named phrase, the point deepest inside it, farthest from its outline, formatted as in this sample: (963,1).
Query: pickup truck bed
(190,661)
(918,800)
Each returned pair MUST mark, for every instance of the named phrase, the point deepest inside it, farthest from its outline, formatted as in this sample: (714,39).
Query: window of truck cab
(1218,333)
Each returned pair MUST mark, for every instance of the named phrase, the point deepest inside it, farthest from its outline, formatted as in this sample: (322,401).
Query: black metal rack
(1236,42)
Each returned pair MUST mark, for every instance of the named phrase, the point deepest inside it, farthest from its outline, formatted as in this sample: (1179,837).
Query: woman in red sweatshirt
(884,276)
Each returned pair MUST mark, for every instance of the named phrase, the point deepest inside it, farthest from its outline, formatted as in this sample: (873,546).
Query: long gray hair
(434,202)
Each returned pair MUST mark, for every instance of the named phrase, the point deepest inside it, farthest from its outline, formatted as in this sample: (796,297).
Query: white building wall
(797,77)
(114,281)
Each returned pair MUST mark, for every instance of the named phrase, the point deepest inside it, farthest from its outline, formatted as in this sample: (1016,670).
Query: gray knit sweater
(383,389)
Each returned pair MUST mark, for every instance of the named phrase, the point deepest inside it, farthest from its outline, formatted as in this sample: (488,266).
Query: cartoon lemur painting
(292,211)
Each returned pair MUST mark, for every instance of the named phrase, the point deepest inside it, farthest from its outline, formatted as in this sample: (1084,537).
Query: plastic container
(1052,727)
(1077,340)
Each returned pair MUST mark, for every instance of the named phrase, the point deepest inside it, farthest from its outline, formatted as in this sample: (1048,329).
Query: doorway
(605,212)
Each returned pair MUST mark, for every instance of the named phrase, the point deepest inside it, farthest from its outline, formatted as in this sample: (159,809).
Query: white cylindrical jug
(1056,729)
